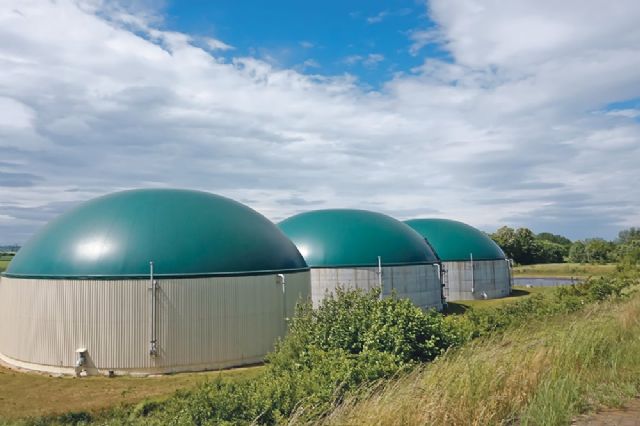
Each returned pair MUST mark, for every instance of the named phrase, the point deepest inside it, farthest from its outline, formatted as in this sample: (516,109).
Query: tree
(505,237)
(577,252)
(628,235)
(554,238)
(598,250)
(522,246)
(629,253)
(552,252)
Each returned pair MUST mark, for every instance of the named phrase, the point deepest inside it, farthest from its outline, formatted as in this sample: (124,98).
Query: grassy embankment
(576,270)
(542,373)
(517,294)
(25,394)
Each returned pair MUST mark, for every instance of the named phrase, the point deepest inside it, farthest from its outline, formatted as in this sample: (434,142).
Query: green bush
(353,338)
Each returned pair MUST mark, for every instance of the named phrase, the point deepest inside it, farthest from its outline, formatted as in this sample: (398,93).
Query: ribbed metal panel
(202,323)
(490,279)
(419,283)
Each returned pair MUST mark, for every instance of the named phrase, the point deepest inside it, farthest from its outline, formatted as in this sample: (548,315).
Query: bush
(353,338)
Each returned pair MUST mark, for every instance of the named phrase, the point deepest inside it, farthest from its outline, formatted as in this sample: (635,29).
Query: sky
(519,113)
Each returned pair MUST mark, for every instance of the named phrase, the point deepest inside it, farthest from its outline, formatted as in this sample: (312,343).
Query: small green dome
(343,237)
(456,241)
(185,233)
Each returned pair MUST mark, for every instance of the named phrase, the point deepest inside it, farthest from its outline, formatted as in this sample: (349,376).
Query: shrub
(353,338)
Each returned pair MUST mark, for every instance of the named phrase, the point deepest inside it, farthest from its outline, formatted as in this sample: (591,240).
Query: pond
(544,281)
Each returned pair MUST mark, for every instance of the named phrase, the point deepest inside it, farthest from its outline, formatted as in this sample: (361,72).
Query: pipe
(473,280)
(280,279)
(441,278)
(510,270)
(153,286)
(380,272)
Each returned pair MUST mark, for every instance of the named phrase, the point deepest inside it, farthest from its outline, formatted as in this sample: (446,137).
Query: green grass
(3,264)
(578,270)
(543,373)
(30,394)
(518,293)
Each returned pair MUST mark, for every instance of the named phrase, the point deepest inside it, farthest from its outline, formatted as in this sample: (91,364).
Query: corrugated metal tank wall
(202,323)
(419,283)
(490,279)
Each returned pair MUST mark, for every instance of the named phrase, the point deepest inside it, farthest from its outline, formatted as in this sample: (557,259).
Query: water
(544,282)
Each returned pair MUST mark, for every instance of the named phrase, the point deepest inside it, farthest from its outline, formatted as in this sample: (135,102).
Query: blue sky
(519,113)
(332,37)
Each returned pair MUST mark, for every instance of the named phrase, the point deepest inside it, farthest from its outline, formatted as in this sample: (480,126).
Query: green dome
(340,238)
(453,240)
(185,233)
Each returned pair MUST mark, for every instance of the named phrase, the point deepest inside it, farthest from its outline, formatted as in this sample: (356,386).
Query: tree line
(526,248)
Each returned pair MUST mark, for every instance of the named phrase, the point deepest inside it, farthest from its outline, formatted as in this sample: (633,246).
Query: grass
(30,394)
(578,270)
(543,373)
(518,293)
(3,264)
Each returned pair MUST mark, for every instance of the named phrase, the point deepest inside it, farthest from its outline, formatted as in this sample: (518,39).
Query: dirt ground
(629,415)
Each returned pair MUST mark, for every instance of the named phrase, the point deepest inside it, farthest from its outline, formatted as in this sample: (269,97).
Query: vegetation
(526,248)
(31,394)
(350,360)
(543,372)
(517,294)
(5,258)
(576,270)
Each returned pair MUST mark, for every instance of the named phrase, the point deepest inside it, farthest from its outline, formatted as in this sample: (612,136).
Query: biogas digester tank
(474,266)
(82,294)
(364,249)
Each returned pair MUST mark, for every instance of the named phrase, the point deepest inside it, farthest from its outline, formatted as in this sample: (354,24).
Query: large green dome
(185,233)
(456,241)
(343,237)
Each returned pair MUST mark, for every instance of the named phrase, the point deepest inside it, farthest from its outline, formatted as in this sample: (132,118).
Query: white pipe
(380,272)
(473,281)
(510,270)
(280,278)
(441,279)
(153,344)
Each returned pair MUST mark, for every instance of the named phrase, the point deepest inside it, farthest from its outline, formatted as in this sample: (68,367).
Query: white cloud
(352,59)
(217,44)
(422,38)
(310,63)
(370,61)
(628,113)
(514,129)
(377,18)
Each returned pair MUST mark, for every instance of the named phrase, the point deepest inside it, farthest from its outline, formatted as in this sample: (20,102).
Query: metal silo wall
(489,277)
(419,283)
(202,323)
